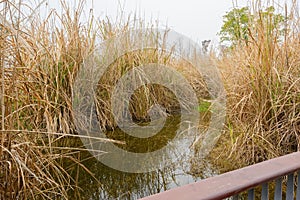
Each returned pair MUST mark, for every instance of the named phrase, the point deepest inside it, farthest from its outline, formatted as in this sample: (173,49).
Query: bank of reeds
(262,78)
(39,60)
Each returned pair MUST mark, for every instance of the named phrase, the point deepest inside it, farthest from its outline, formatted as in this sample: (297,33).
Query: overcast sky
(197,19)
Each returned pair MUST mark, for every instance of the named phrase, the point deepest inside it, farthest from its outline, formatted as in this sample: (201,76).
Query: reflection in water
(95,181)
(143,145)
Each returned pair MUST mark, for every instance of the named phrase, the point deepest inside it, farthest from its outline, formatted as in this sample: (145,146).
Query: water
(97,181)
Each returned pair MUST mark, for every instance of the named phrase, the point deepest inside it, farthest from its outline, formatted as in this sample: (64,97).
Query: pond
(94,180)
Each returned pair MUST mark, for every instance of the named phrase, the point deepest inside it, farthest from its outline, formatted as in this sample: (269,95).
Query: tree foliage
(235,27)
(239,23)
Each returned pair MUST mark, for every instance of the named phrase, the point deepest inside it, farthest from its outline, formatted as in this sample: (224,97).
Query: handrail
(234,182)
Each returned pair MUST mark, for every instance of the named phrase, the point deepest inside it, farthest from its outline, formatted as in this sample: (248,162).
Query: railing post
(298,186)
(265,191)
(278,189)
(251,194)
(290,187)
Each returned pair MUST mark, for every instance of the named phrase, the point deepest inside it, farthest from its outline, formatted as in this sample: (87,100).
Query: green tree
(235,27)
(239,23)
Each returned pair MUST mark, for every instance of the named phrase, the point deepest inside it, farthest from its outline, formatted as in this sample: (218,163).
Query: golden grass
(262,79)
(144,97)
(39,61)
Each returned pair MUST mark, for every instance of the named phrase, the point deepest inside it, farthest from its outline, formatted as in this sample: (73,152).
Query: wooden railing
(231,184)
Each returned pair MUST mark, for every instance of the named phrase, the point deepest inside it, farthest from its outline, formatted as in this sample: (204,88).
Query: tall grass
(144,97)
(39,59)
(262,78)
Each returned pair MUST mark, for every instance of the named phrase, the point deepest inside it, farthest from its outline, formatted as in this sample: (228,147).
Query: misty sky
(197,19)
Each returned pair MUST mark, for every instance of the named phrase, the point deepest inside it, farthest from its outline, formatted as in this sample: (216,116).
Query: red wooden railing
(231,184)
